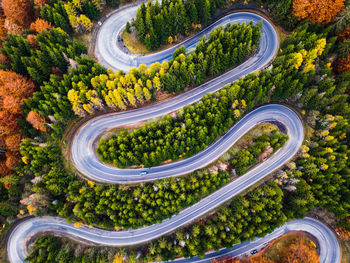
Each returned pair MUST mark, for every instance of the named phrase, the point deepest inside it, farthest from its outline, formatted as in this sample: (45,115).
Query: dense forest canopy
(46,81)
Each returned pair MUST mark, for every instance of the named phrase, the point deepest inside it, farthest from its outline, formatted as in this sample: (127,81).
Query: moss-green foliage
(324,170)
(191,131)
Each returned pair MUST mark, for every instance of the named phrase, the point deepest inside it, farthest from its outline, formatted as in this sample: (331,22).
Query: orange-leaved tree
(19,12)
(300,251)
(258,259)
(342,65)
(32,41)
(322,11)
(37,121)
(38,4)
(345,34)
(3,30)
(40,25)
(14,89)
(255,259)
(8,124)
(4,60)
(14,84)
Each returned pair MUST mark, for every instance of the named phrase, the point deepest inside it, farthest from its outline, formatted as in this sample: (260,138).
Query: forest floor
(132,42)
(83,38)
(3,239)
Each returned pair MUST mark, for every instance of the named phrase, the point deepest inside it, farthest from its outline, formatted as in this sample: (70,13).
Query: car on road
(254,251)
(143,173)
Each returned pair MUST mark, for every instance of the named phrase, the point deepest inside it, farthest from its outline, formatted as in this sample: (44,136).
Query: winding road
(83,153)
(112,55)
(86,161)
(19,239)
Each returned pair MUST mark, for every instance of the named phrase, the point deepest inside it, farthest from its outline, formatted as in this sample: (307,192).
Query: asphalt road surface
(86,161)
(110,52)
(83,146)
(18,241)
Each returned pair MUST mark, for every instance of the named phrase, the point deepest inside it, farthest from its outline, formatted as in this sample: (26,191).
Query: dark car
(254,251)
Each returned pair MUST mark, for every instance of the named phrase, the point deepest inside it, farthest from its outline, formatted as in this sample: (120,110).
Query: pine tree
(140,25)
(127,27)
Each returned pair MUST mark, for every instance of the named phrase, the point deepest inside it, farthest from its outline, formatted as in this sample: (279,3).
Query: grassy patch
(282,34)
(83,38)
(132,42)
(116,132)
(128,128)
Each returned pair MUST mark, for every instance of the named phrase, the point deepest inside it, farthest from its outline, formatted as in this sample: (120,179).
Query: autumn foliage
(244,260)
(342,64)
(317,10)
(13,84)
(18,11)
(32,41)
(40,25)
(38,4)
(345,34)
(300,250)
(4,60)
(37,121)
(14,88)
(3,30)
(343,231)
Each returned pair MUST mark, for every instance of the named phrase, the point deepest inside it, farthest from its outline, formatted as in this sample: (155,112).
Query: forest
(158,23)
(46,81)
(298,194)
(131,206)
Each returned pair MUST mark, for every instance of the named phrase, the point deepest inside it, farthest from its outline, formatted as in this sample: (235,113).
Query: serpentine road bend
(83,154)
(111,54)
(18,242)
(86,161)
